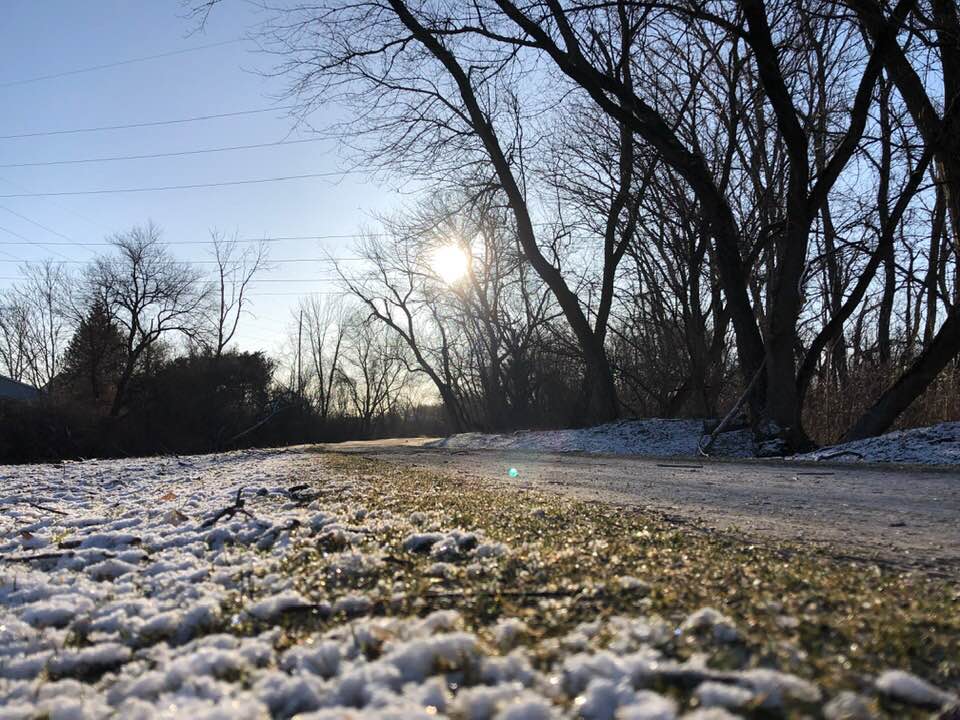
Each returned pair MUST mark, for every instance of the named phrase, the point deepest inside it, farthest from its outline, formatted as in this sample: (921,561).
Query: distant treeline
(187,404)
(131,357)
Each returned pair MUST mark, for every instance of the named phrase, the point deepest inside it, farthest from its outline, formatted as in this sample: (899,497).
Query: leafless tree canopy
(767,185)
(148,293)
(623,208)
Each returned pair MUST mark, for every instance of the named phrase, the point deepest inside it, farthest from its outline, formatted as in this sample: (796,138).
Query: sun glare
(450,263)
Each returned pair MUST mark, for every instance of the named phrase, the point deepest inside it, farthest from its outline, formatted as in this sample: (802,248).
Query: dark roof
(17,390)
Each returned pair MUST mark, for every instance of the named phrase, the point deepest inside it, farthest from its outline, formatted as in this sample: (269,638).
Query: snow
(937,444)
(934,445)
(847,705)
(912,690)
(654,436)
(125,601)
(716,622)
(271,607)
(714,694)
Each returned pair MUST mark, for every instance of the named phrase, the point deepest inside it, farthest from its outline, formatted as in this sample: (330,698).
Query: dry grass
(829,410)
(833,621)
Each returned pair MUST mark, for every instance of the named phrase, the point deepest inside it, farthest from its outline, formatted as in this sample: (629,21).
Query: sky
(213,72)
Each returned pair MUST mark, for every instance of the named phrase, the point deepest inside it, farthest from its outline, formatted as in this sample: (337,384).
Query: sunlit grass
(837,622)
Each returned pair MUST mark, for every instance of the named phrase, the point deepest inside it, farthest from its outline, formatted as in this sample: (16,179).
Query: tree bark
(911,384)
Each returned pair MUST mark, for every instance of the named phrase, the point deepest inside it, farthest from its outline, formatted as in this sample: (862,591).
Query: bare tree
(325,323)
(149,294)
(940,130)
(235,270)
(374,372)
(794,138)
(15,351)
(35,324)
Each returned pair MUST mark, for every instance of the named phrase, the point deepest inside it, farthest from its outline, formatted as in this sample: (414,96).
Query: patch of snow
(934,445)
(273,606)
(709,714)
(653,436)
(912,690)
(774,688)
(937,444)
(508,631)
(649,705)
(847,706)
(716,694)
(721,627)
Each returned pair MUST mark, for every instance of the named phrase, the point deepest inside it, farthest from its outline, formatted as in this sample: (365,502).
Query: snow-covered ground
(126,592)
(655,436)
(938,444)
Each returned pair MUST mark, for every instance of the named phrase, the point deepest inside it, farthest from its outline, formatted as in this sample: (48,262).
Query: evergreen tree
(94,357)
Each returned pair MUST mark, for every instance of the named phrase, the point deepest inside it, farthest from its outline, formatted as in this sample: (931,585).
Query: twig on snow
(229,512)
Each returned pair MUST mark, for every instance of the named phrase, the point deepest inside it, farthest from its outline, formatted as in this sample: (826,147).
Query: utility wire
(39,225)
(153,123)
(214,262)
(151,156)
(195,186)
(31,243)
(353,236)
(118,63)
(253,282)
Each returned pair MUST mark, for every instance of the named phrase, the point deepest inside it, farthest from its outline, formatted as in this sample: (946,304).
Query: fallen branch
(298,496)
(840,453)
(38,506)
(229,512)
(704,449)
(44,508)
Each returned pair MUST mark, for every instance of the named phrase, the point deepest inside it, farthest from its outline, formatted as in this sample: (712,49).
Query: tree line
(135,354)
(765,186)
(667,209)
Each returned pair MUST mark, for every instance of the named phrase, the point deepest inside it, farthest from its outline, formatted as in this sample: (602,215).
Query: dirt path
(906,516)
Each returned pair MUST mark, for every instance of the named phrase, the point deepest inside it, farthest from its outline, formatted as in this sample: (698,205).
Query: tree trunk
(883,214)
(911,384)
(933,268)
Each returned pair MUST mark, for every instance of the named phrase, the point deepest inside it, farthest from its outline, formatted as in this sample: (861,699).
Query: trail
(902,515)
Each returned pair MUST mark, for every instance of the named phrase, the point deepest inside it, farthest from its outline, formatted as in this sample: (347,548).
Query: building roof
(17,390)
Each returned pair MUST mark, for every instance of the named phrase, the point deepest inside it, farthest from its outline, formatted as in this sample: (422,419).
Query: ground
(894,514)
(300,583)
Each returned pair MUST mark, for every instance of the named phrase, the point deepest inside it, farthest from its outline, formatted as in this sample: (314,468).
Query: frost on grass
(121,597)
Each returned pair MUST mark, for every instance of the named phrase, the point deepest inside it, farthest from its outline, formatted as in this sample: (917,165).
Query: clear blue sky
(60,36)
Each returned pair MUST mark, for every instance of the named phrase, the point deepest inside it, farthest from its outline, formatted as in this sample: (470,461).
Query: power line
(349,236)
(54,203)
(16,234)
(39,225)
(297,294)
(118,63)
(195,186)
(214,262)
(252,294)
(153,123)
(152,156)
(253,282)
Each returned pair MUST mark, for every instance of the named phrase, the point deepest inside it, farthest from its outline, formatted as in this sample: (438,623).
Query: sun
(450,263)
